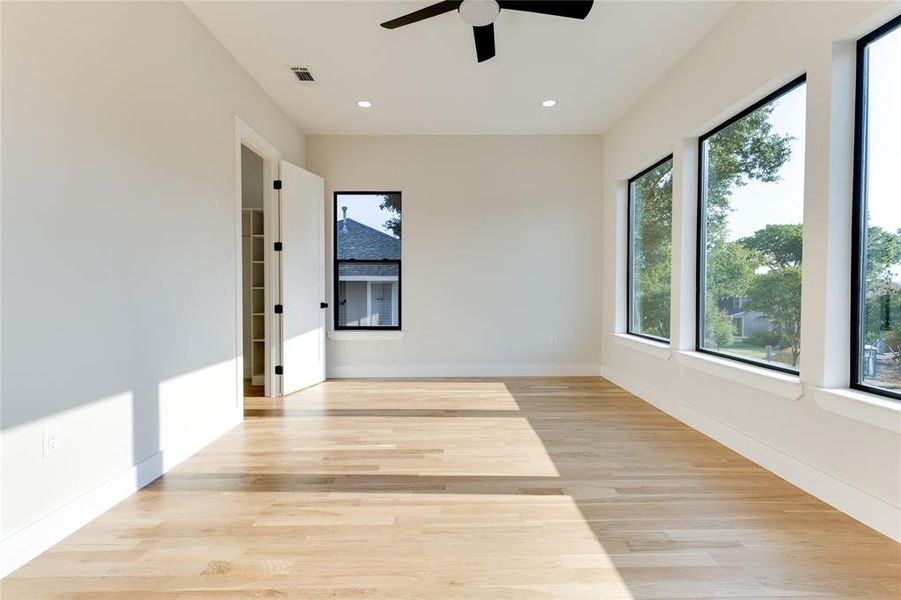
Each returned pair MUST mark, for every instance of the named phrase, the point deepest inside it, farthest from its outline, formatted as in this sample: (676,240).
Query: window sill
(633,342)
(366,335)
(773,382)
(861,406)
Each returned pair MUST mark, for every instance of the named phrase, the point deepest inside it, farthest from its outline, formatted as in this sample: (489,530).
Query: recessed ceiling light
(364,103)
(548,103)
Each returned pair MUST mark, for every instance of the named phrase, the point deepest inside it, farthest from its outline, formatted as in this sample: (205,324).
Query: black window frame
(701,230)
(629,253)
(336,266)
(858,208)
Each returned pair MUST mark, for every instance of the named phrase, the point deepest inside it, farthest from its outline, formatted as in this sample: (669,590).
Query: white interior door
(302,225)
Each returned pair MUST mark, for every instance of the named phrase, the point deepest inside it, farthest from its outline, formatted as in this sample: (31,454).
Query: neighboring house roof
(362,242)
(346,270)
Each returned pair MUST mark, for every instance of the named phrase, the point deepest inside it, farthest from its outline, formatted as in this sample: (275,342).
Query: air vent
(303,74)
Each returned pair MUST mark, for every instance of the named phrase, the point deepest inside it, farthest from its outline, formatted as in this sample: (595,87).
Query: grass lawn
(744,350)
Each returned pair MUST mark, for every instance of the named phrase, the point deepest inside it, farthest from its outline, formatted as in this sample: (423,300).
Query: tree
(744,151)
(739,153)
(652,246)
(778,245)
(776,294)
(730,269)
(391,203)
(883,253)
(883,296)
(719,330)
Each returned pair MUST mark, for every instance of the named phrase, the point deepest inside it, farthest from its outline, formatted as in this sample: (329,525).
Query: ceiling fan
(482,13)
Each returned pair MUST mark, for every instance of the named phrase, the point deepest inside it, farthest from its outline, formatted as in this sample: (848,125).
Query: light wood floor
(466,489)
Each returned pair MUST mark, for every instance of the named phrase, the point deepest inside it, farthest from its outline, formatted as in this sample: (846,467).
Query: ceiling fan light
(479,13)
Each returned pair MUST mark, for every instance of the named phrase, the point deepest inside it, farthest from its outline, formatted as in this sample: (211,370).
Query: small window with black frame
(367,268)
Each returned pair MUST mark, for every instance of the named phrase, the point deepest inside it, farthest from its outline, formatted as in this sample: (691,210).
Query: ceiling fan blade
(574,9)
(484,37)
(424,13)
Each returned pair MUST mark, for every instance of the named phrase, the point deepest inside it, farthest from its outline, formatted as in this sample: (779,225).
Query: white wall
(119,251)
(852,459)
(251,179)
(501,251)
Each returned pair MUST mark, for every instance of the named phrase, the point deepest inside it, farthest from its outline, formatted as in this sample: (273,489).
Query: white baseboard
(560,370)
(866,508)
(21,546)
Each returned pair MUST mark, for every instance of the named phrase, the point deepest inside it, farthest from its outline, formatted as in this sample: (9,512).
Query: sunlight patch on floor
(420,446)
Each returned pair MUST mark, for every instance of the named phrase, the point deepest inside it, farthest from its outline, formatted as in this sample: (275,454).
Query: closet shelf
(253,226)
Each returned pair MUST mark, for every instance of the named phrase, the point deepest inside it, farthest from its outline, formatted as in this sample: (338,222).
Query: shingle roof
(346,270)
(362,242)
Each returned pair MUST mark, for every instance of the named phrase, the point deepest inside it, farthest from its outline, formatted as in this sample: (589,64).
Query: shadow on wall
(103,430)
(103,420)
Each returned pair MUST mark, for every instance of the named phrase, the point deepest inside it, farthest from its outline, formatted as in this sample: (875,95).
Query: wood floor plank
(465,489)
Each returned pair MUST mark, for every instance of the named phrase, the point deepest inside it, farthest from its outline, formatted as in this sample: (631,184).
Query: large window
(876,339)
(367,260)
(650,247)
(749,239)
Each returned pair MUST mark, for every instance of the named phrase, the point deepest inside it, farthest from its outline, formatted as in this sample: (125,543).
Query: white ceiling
(424,79)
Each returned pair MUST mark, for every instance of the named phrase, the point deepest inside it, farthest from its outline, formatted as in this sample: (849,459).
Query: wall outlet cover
(50,442)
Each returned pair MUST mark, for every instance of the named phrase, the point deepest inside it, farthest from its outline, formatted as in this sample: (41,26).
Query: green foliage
(777,295)
(391,203)
(730,269)
(883,252)
(778,245)
(882,313)
(882,310)
(767,338)
(744,151)
(719,330)
(651,197)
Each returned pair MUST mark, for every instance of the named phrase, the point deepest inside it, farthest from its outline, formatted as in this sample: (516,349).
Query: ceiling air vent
(303,74)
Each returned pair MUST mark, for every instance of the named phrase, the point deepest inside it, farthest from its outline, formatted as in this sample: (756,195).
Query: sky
(364,208)
(758,203)
(884,131)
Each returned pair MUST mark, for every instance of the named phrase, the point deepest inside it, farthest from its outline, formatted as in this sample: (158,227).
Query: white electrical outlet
(50,442)
(555,341)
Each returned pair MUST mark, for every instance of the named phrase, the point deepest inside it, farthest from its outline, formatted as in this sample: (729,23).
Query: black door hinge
(279,309)
(279,370)
(278,246)
(277,184)
(323,305)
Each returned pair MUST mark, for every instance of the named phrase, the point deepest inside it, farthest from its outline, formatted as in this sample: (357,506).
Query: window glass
(650,247)
(878,347)
(367,260)
(752,205)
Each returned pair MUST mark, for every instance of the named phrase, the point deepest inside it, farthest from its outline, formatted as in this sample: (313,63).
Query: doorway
(257,277)
(253,272)
(279,285)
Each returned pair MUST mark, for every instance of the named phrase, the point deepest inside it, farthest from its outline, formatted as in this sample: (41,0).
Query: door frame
(247,136)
